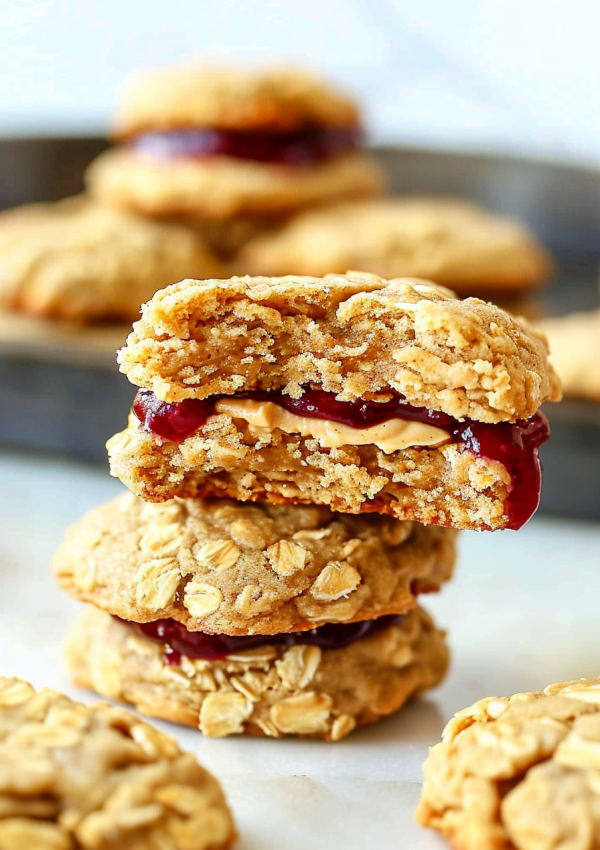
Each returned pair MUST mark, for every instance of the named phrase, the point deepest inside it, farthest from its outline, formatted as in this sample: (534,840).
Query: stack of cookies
(301,451)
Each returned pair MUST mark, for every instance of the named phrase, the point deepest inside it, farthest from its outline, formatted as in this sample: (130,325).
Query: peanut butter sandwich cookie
(94,776)
(218,144)
(521,773)
(254,618)
(318,684)
(77,260)
(351,391)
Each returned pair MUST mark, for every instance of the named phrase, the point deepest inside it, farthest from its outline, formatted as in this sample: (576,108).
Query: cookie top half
(356,335)
(269,100)
(225,567)
(73,774)
(79,260)
(522,772)
(450,241)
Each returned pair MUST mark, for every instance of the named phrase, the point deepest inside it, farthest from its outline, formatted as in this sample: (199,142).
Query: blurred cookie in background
(220,145)
(449,241)
(79,261)
(575,351)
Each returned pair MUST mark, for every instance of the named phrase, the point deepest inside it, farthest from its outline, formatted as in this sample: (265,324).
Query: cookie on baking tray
(78,260)
(74,775)
(350,390)
(321,685)
(450,241)
(219,566)
(519,773)
(220,144)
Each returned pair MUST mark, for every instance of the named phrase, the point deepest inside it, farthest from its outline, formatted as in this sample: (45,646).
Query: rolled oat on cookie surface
(223,567)
(519,773)
(74,776)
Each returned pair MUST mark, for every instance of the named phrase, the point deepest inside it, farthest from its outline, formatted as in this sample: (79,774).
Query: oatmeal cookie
(452,242)
(575,352)
(520,773)
(77,260)
(271,99)
(219,566)
(222,188)
(269,690)
(74,776)
(353,335)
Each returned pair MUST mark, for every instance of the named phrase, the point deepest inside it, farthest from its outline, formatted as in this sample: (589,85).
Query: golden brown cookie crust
(74,775)
(267,100)
(268,690)
(449,241)
(77,260)
(222,188)
(353,334)
(519,773)
(575,352)
(225,458)
(219,566)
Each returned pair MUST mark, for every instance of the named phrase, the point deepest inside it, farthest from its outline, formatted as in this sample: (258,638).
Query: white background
(508,74)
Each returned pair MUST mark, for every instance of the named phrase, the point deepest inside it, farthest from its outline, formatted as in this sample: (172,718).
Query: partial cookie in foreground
(77,260)
(521,773)
(224,567)
(220,144)
(450,241)
(575,352)
(95,776)
(350,390)
(269,689)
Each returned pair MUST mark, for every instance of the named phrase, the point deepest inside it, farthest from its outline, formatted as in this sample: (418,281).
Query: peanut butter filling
(390,436)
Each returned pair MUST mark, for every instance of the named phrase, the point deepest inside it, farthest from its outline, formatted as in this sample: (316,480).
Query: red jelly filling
(179,641)
(515,445)
(300,148)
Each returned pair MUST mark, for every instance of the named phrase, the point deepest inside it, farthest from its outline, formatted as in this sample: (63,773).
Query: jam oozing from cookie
(304,147)
(179,641)
(514,445)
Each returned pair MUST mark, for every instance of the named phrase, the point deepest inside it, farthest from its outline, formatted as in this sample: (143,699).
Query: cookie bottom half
(269,690)
(221,187)
(439,486)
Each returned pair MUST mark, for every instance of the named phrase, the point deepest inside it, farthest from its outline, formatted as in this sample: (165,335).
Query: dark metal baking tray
(60,390)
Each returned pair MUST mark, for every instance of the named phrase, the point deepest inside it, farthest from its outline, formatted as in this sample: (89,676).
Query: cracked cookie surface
(519,773)
(268,690)
(97,777)
(80,261)
(224,567)
(352,334)
(450,241)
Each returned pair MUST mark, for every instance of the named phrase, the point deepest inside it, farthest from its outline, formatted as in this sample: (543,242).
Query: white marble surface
(522,612)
